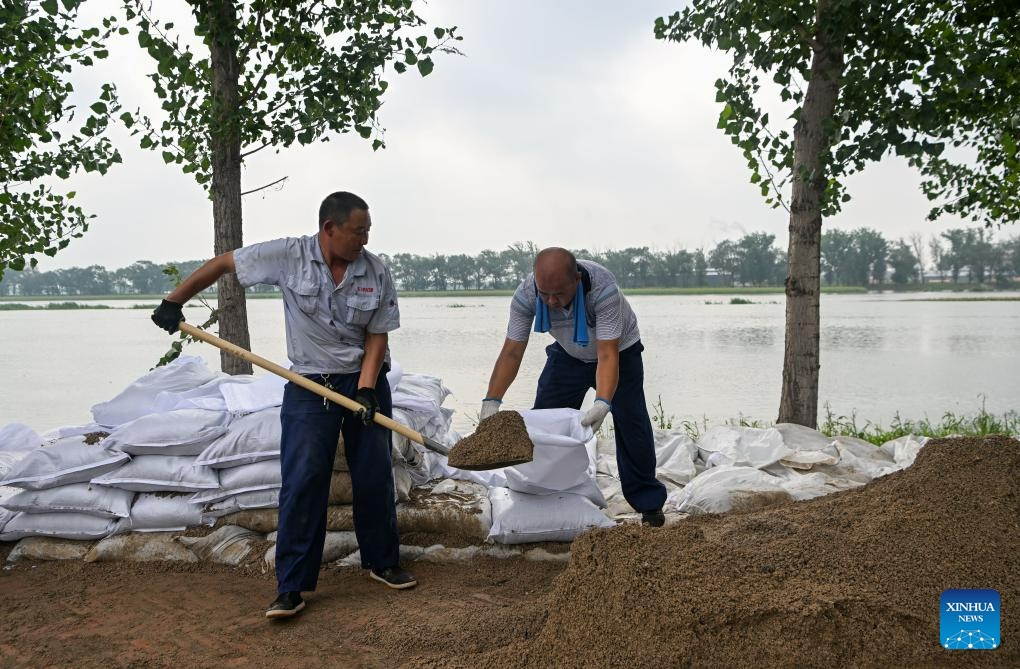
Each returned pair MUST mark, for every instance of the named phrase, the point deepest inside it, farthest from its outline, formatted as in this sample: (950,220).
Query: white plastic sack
(206,396)
(48,548)
(263,475)
(674,457)
(519,518)
(69,460)
(336,546)
(264,392)
(250,438)
(162,513)
(395,374)
(140,548)
(259,499)
(138,399)
(561,458)
(730,488)
(180,432)
(742,446)
(808,447)
(860,461)
(63,525)
(228,545)
(74,498)
(19,437)
(155,473)
(905,449)
(71,431)
(5,516)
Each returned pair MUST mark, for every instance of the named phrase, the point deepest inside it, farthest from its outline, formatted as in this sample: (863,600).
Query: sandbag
(180,432)
(249,439)
(731,488)
(47,548)
(263,475)
(742,446)
(337,545)
(138,399)
(69,460)
(228,545)
(207,396)
(675,452)
(262,393)
(155,473)
(19,437)
(905,449)
(140,548)
(258,499)
(78,526)
(340,461)
(561,459)
(74,498)
(5,517)
(519,518)
(808,447)
(162,513)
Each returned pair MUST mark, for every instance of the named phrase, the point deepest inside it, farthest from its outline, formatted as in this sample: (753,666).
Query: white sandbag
(263,393)
(8,459)
(251,438)
(207,396)
(69,460)
(48,548)
(731,488)
(742,446)
(71,431)
(180,432)
(80,526)
(156,473)
(905,449)
(395,374)
(138,399)
(561,458)
(162,513)
(259,499)
(5,516)
(522,518)
(263,475)
(74,498)
(228,545)
(19,437)
(337,545)
(439,468)
(140,548)
(859,460)
(406,554)
(809,447)
(675,452)
(423,385)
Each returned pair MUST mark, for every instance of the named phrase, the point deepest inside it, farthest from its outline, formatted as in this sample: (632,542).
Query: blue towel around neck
(543,322)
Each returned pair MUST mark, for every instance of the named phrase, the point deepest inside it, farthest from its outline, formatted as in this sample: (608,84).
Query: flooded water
(706,358)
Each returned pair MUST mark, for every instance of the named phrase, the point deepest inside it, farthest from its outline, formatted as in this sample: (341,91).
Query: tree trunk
(226,178)
(799,401)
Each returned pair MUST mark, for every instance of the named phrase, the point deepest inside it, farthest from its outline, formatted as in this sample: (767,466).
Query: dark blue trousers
(564,383)
(307,450)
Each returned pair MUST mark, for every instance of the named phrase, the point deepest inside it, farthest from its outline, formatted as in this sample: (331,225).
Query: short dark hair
(337,207)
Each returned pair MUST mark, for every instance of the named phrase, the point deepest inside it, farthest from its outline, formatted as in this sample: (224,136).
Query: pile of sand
(849,579)
(500,440)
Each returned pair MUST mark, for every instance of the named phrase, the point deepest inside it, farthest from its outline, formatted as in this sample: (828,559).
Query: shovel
(317,388)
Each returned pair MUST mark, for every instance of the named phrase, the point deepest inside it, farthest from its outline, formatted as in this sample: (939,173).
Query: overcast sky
(565,123)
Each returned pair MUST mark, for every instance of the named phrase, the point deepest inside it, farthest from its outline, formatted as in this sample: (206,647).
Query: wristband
(492,399)
(605,401)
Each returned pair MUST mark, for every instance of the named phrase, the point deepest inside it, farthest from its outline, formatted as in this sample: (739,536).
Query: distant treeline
(860,257)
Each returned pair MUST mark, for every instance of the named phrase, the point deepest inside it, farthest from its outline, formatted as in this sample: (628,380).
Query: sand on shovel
(501,440)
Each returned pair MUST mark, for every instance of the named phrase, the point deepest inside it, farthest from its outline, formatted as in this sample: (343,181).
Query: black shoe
(653,518)
(395,577)
(285,605)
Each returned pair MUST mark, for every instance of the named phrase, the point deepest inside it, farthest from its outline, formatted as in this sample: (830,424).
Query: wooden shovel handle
(307,384)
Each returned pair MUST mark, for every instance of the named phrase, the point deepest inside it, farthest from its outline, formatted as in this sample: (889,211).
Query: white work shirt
(326,323)
(608,312)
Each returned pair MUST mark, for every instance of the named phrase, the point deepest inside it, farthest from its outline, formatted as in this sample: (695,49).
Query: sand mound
(500,440)
(852,579)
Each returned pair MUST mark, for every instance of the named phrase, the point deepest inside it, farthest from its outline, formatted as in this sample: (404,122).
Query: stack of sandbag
(54,497)
(676,464)
(747,468)
(555,496)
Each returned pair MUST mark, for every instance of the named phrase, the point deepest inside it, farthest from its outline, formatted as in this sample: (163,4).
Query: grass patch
(740,300)
(52,306)
(979,424)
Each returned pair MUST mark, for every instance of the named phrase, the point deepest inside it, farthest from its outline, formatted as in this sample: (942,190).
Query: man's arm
(371,363)
(203,277)
(505,370)
(607,372)
(170,312)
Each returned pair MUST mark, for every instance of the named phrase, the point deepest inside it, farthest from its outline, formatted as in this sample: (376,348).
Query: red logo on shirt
(366,289)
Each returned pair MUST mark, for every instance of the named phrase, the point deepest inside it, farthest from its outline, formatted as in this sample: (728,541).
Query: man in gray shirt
(597,345)
(339,304)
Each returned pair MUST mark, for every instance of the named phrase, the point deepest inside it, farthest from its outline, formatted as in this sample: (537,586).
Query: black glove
(366,397)
(168,315)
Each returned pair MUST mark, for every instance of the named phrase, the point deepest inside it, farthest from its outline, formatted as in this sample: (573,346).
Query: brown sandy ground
(160,615)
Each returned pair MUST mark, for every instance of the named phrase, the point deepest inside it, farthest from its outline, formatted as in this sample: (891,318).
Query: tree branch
(269,185)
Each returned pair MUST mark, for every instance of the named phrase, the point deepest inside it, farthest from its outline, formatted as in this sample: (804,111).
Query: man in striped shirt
(597,345)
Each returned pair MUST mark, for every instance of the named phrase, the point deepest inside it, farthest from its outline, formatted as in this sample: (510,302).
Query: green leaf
(425,66)
(98,107)
(168,157)
(49,6)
